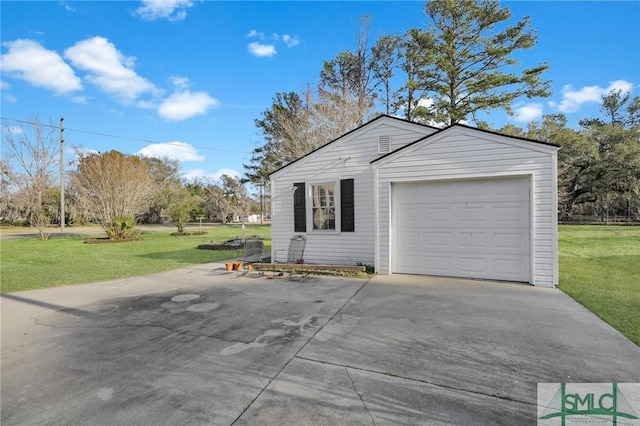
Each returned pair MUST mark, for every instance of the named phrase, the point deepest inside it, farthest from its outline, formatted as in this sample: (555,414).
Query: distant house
(253,218)
(409,198)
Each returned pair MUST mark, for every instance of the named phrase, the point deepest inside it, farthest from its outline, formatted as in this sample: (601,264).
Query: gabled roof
(349,133)
(464,126)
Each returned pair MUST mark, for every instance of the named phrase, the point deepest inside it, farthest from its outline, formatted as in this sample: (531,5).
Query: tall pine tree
(469,62)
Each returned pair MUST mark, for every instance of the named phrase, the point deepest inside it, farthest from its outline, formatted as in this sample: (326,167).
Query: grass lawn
(599,265)
(29,263)
(600,268)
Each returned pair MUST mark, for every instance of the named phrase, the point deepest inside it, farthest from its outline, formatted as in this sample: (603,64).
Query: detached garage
(459,202)
(469,203)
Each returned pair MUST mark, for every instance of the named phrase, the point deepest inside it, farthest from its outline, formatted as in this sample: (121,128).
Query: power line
(66,129)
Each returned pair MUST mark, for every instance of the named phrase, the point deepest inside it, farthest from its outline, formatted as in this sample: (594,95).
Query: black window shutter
(299,208)
(347,206)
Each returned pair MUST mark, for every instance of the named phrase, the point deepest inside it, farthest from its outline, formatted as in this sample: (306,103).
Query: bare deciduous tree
(34,149)
(114,188)
(7,205)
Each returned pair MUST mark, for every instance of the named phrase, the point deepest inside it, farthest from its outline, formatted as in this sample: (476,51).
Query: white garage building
(409,198)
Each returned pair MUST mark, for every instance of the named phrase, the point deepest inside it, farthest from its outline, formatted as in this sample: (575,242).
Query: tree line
(464,63)
(112,189)
(598,163)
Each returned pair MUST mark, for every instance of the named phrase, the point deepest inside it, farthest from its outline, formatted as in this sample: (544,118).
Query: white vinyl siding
(348,157)
(462,153)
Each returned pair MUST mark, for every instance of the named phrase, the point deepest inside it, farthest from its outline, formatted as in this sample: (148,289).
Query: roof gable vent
(384,144)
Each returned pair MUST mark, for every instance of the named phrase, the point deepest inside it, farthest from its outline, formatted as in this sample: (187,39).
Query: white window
(323,208)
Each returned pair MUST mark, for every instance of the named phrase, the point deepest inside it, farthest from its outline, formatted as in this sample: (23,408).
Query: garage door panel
(472,214)
(472,240)
(408,193)
(510,268)
(439,190)
(466,266)
(411,263)
(438,215)
(437,263)
(440,239)
(516,215)
(511,241)
(477,229)
(511,188)
(491,267)
(410,215)
(499,213)
(411,240)
(471,266)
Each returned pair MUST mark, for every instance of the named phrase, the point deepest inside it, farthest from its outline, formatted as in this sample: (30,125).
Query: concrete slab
(313,393)
(193,346)
(496,339)
(203,346)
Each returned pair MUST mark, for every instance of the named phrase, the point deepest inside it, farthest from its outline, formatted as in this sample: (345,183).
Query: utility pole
(261,200)
(61,174)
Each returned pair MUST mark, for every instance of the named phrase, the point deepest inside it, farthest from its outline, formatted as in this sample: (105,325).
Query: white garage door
(470,228)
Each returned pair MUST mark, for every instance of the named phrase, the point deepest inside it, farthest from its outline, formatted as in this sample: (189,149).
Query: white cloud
(185,104)
(109,69)
(172,10)
(173,150)
(181,83)
(15,130)
(79,152)
(425,102)
(269,49)
(147,104)
(290,41)
(29,61)
(573,99)
(528,112)
(9,98)
(428,104)
(262,50)
(4,85)
(209,176)
(254,33)
(79,99)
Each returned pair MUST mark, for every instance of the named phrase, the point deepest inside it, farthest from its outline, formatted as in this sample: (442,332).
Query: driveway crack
(359,396)
(299,350)
(412,379)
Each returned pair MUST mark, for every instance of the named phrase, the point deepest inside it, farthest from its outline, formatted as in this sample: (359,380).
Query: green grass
(600,268)
(29,263)
(599,265)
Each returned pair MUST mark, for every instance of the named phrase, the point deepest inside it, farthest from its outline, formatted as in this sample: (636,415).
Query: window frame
(336,206)
(344,210)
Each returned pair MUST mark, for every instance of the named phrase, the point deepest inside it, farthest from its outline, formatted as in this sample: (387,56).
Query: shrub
(123,228)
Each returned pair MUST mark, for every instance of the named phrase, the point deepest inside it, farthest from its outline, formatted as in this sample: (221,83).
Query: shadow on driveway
(203,346)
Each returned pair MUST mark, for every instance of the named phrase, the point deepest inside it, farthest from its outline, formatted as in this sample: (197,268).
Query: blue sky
(186,79)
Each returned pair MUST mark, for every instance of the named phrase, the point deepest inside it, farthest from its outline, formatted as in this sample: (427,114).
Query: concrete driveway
(204,346)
